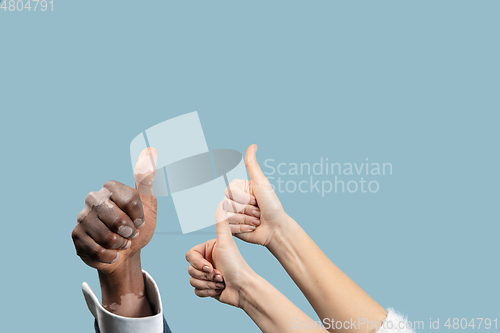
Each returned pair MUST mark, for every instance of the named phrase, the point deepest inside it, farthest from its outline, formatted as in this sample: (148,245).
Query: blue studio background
(415,84)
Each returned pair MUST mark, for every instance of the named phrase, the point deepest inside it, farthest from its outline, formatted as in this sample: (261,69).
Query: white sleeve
(395,323)
(110,323)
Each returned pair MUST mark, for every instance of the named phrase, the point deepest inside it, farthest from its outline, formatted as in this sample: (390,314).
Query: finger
(238,190)
(241,228)
(197,274)
(116,220)
(234,207)
(253,167)
(215,275)
(128,200)
(207,292)
(87,248)
(243,219)
(93,199)
(144,172)
(99,232)
(196,257)
(203,284)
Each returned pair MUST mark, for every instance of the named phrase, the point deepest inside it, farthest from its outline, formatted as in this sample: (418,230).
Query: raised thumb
(253,167)
(224,235)
(144,172)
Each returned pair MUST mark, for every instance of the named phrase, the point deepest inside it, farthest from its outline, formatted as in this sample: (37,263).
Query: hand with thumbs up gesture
(256,216)
(223,254)
(242,287)
(254,210)
(116,223)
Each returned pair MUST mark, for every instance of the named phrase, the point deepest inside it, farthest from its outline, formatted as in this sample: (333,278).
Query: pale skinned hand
(118,221)
(255,212)
(206,280)
(223,259)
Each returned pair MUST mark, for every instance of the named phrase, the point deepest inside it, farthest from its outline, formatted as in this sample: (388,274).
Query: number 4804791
(20,5)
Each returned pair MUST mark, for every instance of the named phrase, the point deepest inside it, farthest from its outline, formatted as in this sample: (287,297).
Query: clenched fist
(118,221)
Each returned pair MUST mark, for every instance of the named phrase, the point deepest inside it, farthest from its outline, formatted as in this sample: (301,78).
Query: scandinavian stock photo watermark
(324,177)
(432,324)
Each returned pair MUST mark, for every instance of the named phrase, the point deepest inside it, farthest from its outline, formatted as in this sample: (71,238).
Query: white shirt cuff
(110,323)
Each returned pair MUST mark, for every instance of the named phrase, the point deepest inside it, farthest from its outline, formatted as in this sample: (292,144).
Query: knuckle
(90,198)
(235,184)
(110,240)
(227,204)
(95,254)
(114,220)
(110,183)
(133,203)
(75,234)
(135,194)
(81,216)
(122,221)
(249,210)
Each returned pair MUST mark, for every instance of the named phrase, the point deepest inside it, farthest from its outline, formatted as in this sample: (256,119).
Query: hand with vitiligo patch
(115,224)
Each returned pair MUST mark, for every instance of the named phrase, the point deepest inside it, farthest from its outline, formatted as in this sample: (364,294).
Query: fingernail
(252,202)
(218,278)
(117,257)
(129,243)
(251,227)
(125,231)
(255,221)
(139,222)
(256,213)
(206,269)
(136,234)
(220,285)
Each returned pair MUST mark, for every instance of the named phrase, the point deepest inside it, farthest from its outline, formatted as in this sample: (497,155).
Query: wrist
(281,234)
(287,243)
(120,275)
(123,289)
(248,290)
